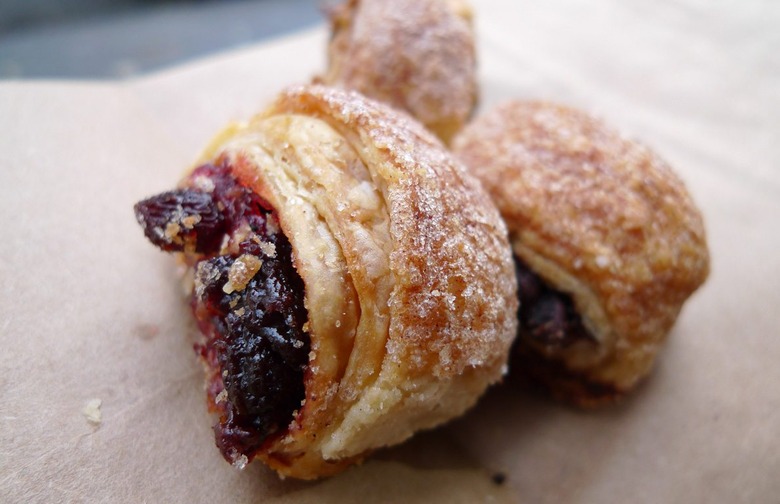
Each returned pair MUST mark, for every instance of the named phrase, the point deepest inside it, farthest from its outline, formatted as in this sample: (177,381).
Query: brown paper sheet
(89,311)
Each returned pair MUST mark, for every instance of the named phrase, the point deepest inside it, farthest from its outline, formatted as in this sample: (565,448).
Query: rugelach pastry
(607,241)
(353,283)
(417,55)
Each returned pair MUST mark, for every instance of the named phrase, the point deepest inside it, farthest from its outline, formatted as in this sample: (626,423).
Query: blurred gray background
(120,38)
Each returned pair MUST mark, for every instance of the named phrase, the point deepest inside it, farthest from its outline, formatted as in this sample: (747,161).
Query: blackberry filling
(248,302)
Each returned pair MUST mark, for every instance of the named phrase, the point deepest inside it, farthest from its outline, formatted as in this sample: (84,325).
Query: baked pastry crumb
(92,412)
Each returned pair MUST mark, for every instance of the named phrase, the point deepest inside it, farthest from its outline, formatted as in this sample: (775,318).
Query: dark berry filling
(248,302)
(547,316)
(175,219)
(548,319)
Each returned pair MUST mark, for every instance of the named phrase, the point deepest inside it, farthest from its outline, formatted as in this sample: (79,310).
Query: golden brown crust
(417,55)
(597,216)
(409,280)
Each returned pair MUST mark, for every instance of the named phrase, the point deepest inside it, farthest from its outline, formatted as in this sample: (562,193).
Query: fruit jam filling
(248,301)
(547,317)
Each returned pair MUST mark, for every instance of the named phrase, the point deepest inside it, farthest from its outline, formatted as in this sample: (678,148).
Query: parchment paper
(90,311)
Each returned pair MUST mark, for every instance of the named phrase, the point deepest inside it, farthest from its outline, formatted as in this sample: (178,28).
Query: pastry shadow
(543,445)
(431,467)
(434,449)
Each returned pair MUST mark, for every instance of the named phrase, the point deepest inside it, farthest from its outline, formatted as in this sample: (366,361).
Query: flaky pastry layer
(408,274)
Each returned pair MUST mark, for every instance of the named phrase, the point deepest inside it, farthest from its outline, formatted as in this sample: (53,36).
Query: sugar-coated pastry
(417,55)
(608,244)
(353,282)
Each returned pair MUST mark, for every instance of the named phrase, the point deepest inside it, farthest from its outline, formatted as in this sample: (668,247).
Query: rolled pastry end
(607,241)
(352,281)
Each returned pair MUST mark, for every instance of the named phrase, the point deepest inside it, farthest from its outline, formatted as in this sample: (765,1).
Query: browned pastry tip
(353,281)
(417,55)
(608,244)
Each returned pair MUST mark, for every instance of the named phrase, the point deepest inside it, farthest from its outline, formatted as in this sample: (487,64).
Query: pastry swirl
(417,55)
(408,284)
(608,243)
